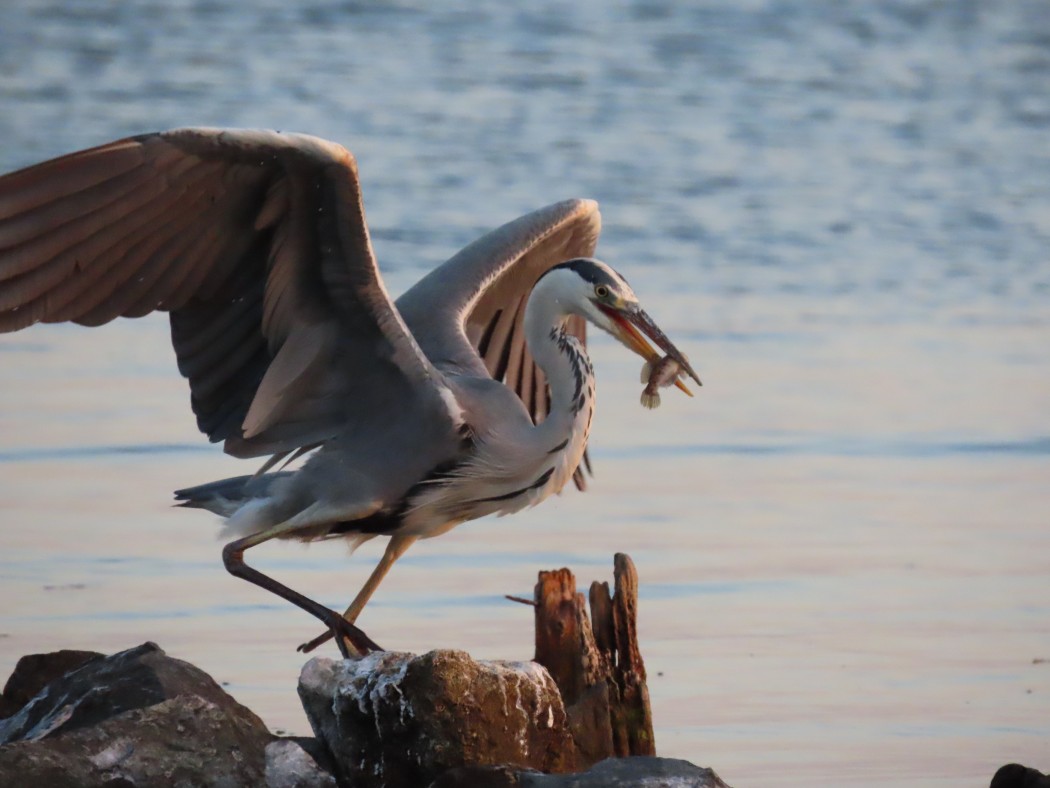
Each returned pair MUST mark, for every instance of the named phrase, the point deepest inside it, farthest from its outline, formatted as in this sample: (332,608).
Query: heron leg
(395,548)
(233,559)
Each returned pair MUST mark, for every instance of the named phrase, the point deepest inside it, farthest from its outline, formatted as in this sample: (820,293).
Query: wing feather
(41,222)
(33,187)
(71,264)
(238,319)
(132,279)
(215,364)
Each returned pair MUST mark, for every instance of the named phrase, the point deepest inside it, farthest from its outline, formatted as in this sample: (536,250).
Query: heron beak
(634,325)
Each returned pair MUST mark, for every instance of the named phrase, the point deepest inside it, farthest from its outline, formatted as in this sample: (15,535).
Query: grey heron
(470,395)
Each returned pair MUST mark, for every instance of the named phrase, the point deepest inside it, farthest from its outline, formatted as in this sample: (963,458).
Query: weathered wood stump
(595,661)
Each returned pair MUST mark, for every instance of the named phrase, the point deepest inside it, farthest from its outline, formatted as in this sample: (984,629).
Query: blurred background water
(841,210)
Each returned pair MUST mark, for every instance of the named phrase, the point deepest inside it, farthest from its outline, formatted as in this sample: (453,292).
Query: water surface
(842,213)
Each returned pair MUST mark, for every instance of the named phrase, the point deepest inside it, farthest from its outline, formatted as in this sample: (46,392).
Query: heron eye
(601,291)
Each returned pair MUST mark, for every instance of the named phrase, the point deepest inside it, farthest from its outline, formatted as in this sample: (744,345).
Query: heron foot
(310,645)
(344,632)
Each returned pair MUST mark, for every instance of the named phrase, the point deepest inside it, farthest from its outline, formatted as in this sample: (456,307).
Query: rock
(398,719)
(483,777)
(134,718)
(35,671)
(187,741)
(1014,775)
(102,688)
(636,772)
(289,765)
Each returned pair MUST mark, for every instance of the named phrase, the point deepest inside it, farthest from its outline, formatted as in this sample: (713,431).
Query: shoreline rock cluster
(142,718)
(73,719)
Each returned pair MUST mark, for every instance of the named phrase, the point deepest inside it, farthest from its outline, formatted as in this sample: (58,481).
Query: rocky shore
(576,715)
(143,718)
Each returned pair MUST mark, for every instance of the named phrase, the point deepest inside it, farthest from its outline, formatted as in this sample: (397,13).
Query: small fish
(657,373)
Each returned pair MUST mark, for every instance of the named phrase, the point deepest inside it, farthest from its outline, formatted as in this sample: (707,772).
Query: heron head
(603,296)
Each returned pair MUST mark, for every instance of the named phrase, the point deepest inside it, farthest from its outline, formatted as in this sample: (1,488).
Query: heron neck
(565,362)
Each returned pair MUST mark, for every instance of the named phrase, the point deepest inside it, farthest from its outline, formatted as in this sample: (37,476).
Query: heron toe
(345,632)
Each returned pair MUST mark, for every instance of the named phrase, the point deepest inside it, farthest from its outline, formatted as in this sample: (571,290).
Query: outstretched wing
(468,314)
(256,243)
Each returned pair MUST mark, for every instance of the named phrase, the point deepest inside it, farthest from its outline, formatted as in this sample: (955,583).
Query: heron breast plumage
(502,474)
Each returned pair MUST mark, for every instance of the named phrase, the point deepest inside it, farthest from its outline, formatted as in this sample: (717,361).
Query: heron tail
(226,496)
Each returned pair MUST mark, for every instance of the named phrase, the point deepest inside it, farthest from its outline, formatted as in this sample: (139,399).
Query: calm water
(840,210)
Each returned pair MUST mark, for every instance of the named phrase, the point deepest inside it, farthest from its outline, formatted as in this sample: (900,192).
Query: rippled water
(841,211)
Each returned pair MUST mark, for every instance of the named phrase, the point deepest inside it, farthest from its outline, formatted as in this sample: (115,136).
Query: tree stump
(595,661)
